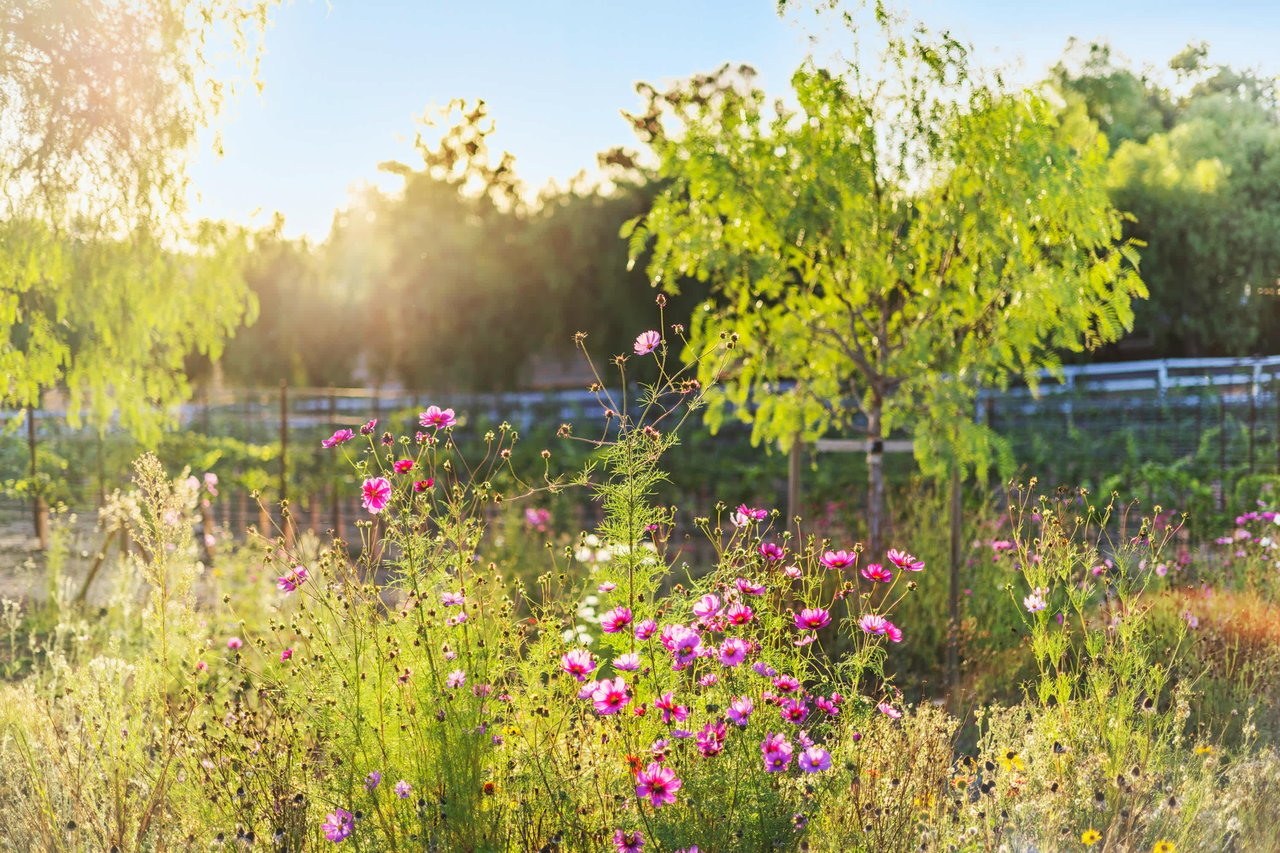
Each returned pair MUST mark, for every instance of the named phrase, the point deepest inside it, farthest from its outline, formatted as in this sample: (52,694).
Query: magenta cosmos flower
(628,842)
(437,417)
(815,759)
(750,587)
(740,710)
(733,651)
(877,572)
(456,679)
(744,515)
(905,561)
(338,825)
(777,752)
(291,580)
(629,662)
(647,342)
(234,643)
(342,436)
(610,695)
(812,618)
(889,711)
(286,654)
(839,559)
(738,613)
(402,465)
(658,783)
(578,663)
(453,599)
(707,606)
(645,629)
(615,620)
(376,493)
(770,551)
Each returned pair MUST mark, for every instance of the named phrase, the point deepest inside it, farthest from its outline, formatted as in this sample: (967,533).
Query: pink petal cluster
(292,579)
(342,436)
(839,559)
(437,417)
(376,494)
(647,342)
(658,783)
(905,561)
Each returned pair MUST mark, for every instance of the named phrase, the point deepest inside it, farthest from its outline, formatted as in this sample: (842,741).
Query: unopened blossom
(610,695)
(375,494)
(839,559)
(578,662)
(876,572)
(402,465)
(615,620)
(292,579)
(814,759)
(905,561)
(740,710)
(658,783)
(437,417)
(456,678)
(338,825)
(342,436)
(733,651)
(812,618)
(628,842)
(647,342)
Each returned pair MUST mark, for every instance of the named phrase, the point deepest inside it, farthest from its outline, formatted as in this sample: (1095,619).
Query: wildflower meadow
(874,450)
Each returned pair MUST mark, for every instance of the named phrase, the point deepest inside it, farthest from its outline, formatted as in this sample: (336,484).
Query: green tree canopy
(886,246)
(104,288)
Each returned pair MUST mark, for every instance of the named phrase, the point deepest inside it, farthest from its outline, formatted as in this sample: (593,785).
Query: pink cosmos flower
(647,342)
(744,515)
(201,666)
(830,706)
(771,551)
(740,710)
(402,465)
(738,614)
(291,580)
(453,599)
(707,606)
(792,572)
(658,783)
(794,710)
(456,679)
(615,620)
(338,825)
(750,587)
(815,759)
(423,485)
(607,586)
(211,482)
(893,632)
(645,629)
(437,417)
(666,703)
(1035,602)
(234,643)
(538,518)
(839,559)
(889,711)
(786,684)
(905,561)
(733,651)
(711,739)
(610,695)
(376,494)
(877,572)
(629,662)
(777,752)
(578,663)
(342,436)
(628,842)
(873,624)
(812,618)
(286,654)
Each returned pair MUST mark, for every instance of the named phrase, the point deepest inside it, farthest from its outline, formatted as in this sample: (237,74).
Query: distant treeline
(460,282)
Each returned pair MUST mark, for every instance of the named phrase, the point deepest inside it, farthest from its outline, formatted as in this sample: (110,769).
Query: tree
(886,247)
(104,286)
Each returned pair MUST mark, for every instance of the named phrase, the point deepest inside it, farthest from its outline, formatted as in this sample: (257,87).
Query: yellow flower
(1011,761)
(1203,749)
(1090,837)
(1164,847)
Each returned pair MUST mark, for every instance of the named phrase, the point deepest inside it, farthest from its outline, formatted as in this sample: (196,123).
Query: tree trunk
(875,486)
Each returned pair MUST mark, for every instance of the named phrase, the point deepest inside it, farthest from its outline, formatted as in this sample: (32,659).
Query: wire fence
(1201,432)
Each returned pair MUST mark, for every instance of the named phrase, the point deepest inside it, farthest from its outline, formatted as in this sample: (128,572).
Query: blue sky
(344,80)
